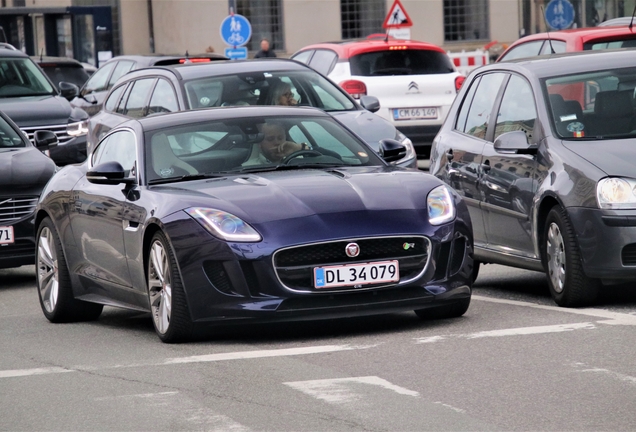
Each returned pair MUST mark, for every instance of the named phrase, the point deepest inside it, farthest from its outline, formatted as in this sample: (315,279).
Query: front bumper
(607,241)
(233,282)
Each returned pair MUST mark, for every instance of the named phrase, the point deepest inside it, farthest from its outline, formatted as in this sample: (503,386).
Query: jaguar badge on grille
(352,250)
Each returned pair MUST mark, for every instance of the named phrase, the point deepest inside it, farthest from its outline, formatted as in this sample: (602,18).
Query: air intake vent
(628,255)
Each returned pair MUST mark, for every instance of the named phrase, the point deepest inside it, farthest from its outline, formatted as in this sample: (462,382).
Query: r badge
(352,250)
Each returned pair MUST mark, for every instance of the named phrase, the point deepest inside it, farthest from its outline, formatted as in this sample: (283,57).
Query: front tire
(168,304)
(54,281)
(569,286)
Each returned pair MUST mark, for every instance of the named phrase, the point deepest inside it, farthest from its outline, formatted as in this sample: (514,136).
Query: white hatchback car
(415,82)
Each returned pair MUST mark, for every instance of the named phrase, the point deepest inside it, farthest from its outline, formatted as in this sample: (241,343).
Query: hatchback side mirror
(514,142)
(370,103)
(109,173)
(392,150)
(44,139)
(68,90)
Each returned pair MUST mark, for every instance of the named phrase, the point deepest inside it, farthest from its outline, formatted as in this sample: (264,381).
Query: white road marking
(459,410)
(210,421)
(264,353)
(611,318)
(140,396)
(241,355)
(28,372)
(336,391)
(520,331)
(617,375)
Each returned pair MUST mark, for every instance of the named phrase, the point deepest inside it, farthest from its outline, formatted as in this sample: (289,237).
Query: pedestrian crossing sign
(397,17)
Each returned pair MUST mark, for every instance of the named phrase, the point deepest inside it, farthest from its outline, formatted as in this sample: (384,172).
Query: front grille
(628,255)
(14,209)
(58,130)
(19,248)
(295,266)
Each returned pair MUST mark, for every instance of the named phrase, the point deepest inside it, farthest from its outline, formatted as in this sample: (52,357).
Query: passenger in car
(281,94)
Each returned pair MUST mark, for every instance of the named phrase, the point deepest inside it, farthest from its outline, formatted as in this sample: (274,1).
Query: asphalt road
(514,362)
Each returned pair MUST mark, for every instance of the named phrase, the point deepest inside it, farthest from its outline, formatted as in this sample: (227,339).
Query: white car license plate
(6,235)
(415,113)
(356,274)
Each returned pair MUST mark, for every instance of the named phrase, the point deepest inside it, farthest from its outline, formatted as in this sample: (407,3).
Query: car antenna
(547,27)
(631,23)
(42,53)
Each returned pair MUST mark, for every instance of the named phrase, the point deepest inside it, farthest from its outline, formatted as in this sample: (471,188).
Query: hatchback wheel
(569,286)
(54,281)
(168,304)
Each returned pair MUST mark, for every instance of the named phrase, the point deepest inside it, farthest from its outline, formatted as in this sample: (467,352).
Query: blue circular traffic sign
(559,14)
(236,30)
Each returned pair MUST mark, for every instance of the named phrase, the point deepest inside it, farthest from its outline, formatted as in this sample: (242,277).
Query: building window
(266,18)
(360,18)
(465,20)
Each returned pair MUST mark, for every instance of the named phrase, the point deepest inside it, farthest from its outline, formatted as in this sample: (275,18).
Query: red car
(581,39)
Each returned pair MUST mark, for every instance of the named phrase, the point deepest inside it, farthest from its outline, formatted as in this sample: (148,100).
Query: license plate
(6,235)
(356,274)
(414,113)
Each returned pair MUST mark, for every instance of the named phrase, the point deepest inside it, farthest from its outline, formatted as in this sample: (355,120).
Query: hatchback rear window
(65,72)
(623,42)
(402,62)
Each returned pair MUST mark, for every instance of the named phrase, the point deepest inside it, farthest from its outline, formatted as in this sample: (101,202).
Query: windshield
(594,105)
(9,138)
(21,77)
(401,62)
(74,74)
(303,88)
(252,145)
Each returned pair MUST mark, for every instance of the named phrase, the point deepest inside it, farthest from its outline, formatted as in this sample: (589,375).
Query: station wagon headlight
(616,193)
(76,129)
(224,225)
(441,208)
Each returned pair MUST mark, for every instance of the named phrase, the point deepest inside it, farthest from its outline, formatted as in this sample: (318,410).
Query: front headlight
(406,142)
(76,129)
(616,193)
(224,225)
(441,208)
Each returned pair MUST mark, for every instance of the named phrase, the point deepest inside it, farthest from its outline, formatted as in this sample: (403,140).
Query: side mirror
(514,142)
(68,90)
(392,150)
(109,173)
(370,103)
(44,139)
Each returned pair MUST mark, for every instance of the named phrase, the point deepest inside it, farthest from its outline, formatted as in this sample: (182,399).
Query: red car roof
(347,49)
(576,38)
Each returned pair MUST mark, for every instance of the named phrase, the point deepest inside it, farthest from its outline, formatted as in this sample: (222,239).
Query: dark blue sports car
(248,214)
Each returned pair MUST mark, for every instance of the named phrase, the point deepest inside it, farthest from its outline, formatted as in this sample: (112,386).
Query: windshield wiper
(262,168)
(186,177)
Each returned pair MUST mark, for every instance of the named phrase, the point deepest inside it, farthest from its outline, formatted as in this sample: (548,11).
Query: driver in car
(274,147)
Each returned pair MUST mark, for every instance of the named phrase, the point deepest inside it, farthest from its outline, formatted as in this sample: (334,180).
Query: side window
(460,124)
(482,104)
(118,147)
(121,107)
(113,98)
(323,60)
(528,49)
(517,110)
(136,103)
(99,79)
(557,46)
(163,99)
(123,67)
(304,56)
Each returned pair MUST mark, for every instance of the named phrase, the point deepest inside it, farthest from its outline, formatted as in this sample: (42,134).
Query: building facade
(90,30)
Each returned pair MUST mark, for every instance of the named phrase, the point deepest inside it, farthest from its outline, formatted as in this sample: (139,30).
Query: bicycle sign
(236,30)
(559,14)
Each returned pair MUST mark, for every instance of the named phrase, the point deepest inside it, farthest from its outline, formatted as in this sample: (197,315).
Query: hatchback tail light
(354,87)
(459,80)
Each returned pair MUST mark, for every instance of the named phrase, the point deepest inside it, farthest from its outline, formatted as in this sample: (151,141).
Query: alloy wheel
(160,287)
(556,257)
(48,274)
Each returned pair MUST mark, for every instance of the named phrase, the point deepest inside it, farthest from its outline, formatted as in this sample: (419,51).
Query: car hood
(270,196)
(614,157)
(24,168)
(368,126)
(36,110)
